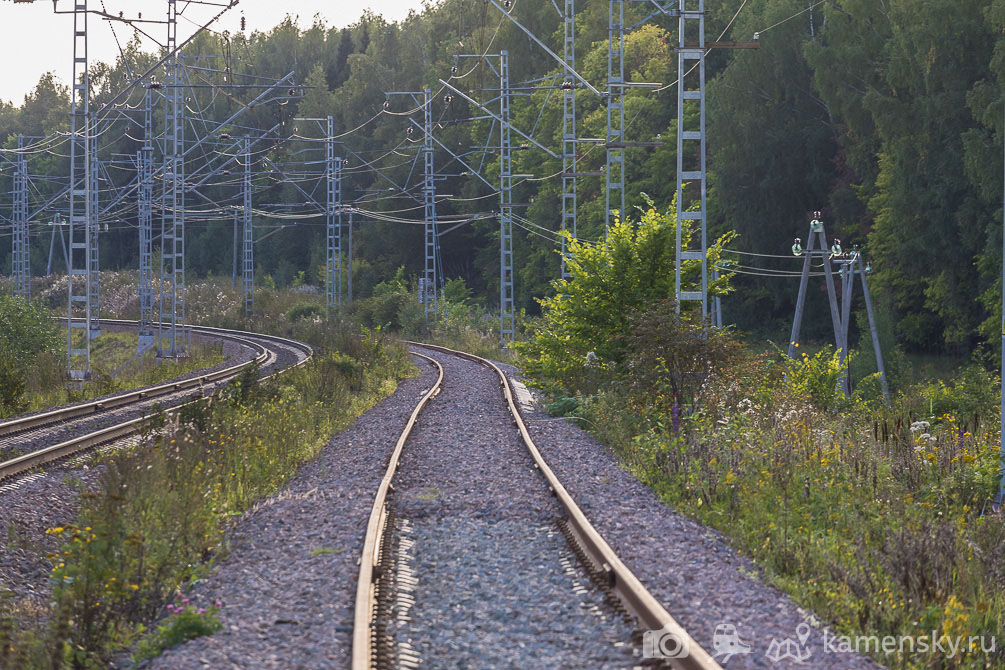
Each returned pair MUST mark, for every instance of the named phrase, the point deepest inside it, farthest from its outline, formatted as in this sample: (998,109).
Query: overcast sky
(33,40)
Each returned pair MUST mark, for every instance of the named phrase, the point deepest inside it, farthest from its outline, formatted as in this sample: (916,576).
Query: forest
(886,115)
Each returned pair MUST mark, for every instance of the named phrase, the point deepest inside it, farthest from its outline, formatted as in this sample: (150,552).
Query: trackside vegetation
(877,518)
(158,516)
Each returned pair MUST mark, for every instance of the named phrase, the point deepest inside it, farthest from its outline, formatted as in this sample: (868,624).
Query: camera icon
(665,643)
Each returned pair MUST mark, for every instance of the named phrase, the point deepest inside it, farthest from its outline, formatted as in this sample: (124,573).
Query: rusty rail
(55,452)
(630,591)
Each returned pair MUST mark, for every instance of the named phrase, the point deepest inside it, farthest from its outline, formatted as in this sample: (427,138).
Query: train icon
(726,642)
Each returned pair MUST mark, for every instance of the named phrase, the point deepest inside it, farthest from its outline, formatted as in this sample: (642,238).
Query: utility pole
(21,269)
(569,162)
(615,169)
(348,278)
(333,225)
(691,143)
(145,192)
(816,235)
(248,264)
(172,298)
(429,202)
(79,271)
(237,245)
(506,315)
(1001,379)
(94,222)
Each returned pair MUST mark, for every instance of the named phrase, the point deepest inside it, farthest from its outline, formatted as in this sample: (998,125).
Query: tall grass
(878,519)
(160,515)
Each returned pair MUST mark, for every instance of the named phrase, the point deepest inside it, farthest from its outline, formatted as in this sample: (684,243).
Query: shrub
(26,333)
(304,310)
(609,281)
(669,358)
(185,623)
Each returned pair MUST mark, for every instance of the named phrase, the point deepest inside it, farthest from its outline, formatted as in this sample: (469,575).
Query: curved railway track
(600,559)
(116,417)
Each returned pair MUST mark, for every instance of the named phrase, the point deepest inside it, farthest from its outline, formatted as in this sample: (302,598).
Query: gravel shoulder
(495,584)
(288,584)
(701,580)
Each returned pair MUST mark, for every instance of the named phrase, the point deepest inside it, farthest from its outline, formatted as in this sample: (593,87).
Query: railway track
(380,625)
(62,432)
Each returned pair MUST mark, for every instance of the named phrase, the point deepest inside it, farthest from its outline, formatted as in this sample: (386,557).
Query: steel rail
(362,639)
(20,424)
(55,452)
(630,591)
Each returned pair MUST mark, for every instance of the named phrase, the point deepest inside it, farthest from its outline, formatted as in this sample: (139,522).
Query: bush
(816,376)
(26,333)
(304,310)
(609,281)
(668,359)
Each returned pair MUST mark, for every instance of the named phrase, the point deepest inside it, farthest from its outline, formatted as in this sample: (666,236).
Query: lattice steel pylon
(80,274)
(691,160)
(145,195)
(171,332)
(92,245)
(614,190)
(569,162)
(429,206)
(506,315)
(248,244)
(333,224)
(20,265)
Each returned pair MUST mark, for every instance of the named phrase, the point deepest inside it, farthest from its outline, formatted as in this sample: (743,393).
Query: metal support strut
(569,161)
(171,330)
(614,192)
(78,341)
(145,164)
(506,315)
(691,151)
(248,246)
(333,224)
(429,200)
(20,267)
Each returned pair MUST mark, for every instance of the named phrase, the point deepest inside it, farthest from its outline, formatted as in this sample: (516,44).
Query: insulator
(188,99)
(121,14)
(409,131)
(453,70)
(868,268)
(567,85)
(797,247)
(224,136)
(243,23)
(387,104)
(508,4)
(390,189)
(447,99)
(292,91)
(836,247)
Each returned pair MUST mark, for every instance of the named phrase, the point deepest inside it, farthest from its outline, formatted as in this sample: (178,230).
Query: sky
(34,40)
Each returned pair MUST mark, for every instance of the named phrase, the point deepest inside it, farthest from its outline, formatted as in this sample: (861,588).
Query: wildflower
(218,604)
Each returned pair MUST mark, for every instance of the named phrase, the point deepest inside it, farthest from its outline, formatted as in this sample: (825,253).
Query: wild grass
(160,515)
(115,367)
(878,519)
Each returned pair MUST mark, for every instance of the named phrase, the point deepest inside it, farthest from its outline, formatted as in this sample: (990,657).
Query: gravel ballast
(289,583)
(702,581)
(42,499)
(493,590)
